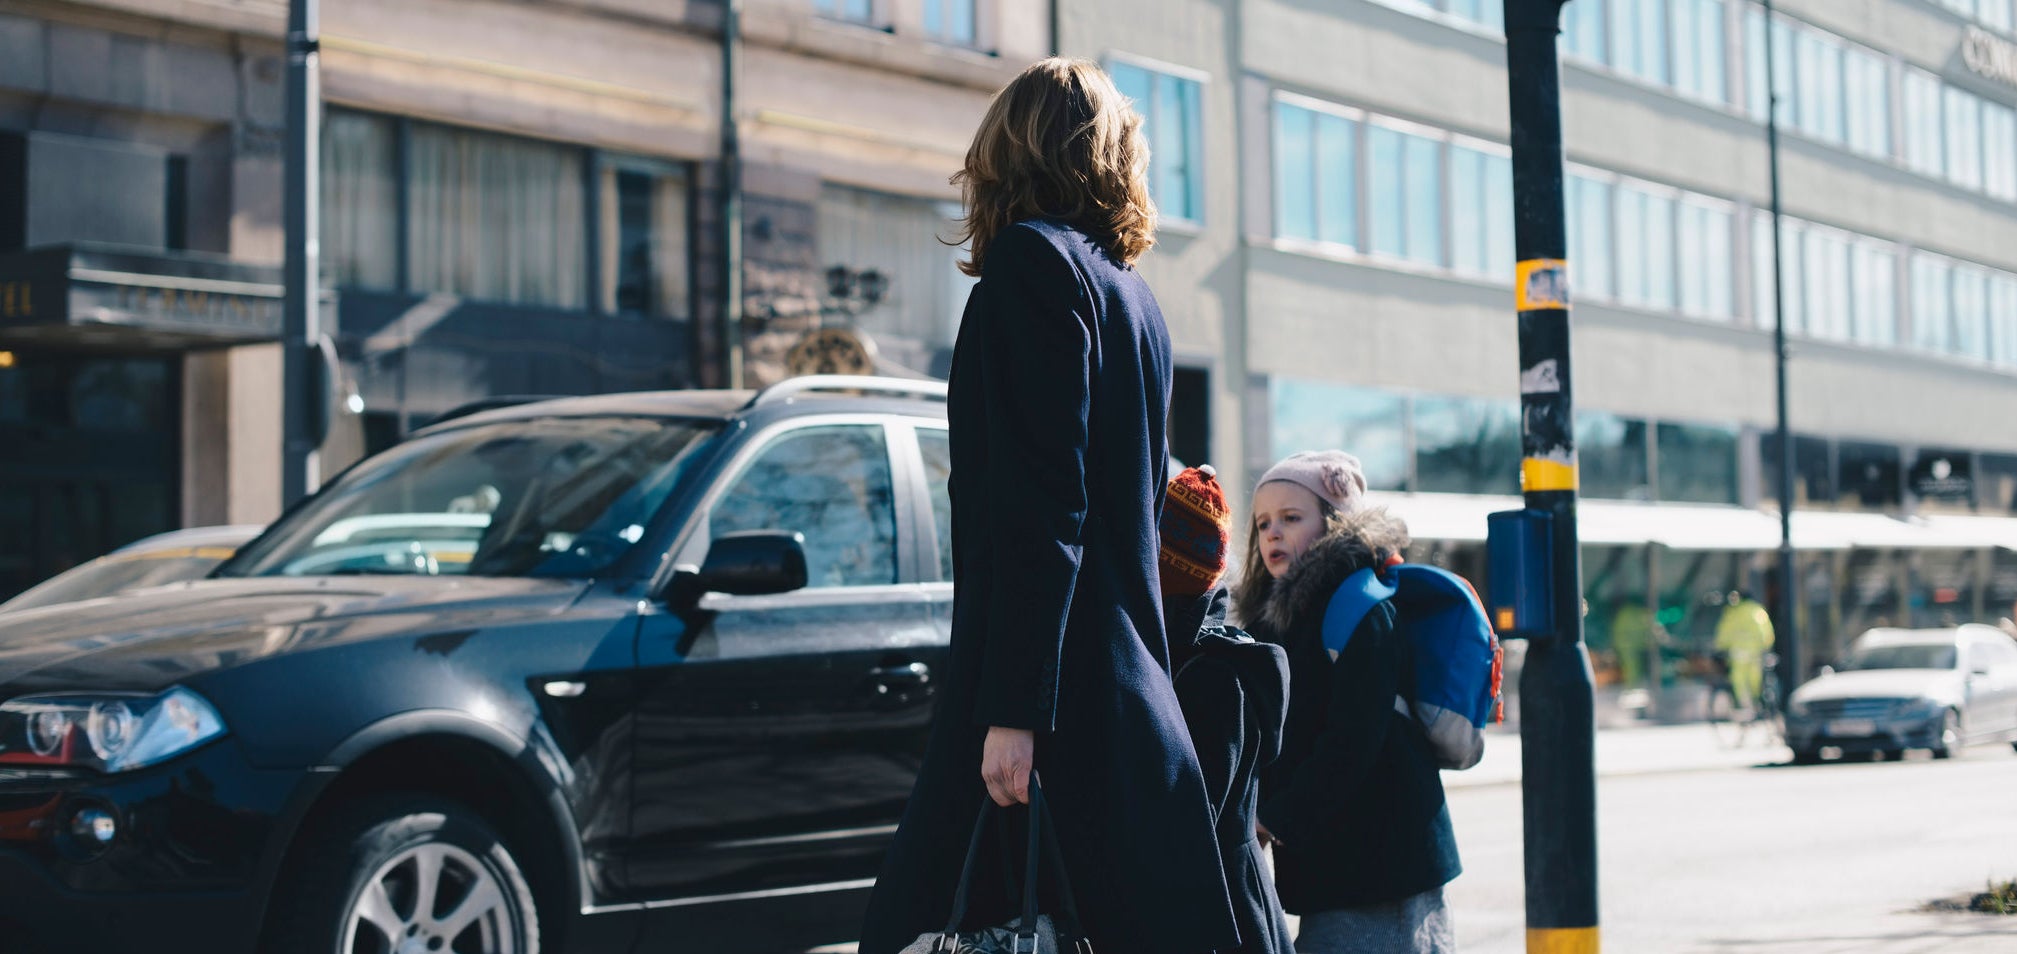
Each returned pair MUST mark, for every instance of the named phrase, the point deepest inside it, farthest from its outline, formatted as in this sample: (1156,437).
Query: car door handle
(906,676)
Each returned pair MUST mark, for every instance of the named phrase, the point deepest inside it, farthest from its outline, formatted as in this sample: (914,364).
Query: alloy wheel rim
(431,899)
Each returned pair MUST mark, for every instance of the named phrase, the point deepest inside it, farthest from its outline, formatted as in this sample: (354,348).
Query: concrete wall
(1197,272)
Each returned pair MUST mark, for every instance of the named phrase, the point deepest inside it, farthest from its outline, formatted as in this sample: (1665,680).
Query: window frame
(1199,164)
(1361,182)
(690,546)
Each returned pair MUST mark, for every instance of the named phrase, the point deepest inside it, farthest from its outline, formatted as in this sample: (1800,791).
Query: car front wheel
(1950,736)
(402,876)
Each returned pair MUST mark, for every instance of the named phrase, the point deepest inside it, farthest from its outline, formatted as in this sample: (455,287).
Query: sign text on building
(1989,55)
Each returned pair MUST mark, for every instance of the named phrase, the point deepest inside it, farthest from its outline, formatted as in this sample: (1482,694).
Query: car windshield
(120,572)
(553,498)
(1921,656)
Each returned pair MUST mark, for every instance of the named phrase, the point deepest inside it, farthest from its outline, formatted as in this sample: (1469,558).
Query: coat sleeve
(1037,382)
(1215,709)
(1364,680)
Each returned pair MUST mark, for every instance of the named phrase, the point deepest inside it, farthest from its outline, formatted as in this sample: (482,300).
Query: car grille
(1856,708)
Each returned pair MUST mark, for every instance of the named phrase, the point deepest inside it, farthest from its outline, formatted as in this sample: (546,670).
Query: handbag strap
(1043,839)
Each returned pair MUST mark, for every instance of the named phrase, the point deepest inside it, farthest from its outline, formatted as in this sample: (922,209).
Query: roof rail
(829,383)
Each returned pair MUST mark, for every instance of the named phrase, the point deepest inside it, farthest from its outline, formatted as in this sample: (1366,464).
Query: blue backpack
(1459,664)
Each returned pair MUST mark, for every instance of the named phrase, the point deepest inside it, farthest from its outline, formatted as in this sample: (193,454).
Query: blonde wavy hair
(1059,142)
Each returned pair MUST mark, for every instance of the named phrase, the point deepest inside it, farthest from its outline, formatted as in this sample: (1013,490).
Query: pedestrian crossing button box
(1519,549)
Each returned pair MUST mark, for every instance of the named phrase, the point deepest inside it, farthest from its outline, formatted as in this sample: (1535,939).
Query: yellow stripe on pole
(1538,474)
(1562,940)
(1541,283)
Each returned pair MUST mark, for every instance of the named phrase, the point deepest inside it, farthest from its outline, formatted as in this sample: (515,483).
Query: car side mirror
(754,563)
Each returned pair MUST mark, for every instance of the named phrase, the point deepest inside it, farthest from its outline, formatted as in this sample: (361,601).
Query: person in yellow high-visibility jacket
(1744,635)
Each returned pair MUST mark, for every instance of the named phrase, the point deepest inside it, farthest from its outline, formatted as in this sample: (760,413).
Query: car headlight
(110,732)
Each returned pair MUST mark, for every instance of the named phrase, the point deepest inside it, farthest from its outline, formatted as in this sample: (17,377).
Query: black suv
(589,674)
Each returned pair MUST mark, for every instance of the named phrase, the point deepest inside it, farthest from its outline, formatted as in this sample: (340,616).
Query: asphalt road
(1773,860)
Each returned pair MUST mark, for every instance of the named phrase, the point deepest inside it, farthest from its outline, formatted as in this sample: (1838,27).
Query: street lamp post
(1789,623)
(303,389)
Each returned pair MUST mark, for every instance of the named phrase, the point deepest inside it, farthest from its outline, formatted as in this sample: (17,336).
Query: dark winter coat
(1356,799)
(1059,391)
(1235,694)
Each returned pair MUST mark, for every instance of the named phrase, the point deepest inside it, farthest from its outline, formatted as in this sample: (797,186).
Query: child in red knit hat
(1234,694)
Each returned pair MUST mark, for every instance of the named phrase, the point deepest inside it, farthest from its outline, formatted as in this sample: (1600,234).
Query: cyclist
(1744,635)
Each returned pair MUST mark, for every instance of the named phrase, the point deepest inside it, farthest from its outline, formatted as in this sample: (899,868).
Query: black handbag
(1031,932)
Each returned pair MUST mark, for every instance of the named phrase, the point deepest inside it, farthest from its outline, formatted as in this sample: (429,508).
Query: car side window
(831,484)
(937,450)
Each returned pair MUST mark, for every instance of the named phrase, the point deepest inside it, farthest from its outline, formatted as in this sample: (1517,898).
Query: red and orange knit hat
(1196,528)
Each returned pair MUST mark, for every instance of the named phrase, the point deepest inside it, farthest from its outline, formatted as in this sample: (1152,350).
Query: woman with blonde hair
(1059,391)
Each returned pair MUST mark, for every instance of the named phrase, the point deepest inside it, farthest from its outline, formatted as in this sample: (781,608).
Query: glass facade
(1467,445)
(1370,425)
(1316,176)
(950,20)
(1697,463)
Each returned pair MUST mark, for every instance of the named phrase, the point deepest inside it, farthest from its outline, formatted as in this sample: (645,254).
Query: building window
(1611,453)
(915,316)
(1369,424)
(1467,445)
(1698,48)
(1932,303)
(2003,320)
(1963,115)
(1707,247)
(1589,227)
(1971,312)
(1481,213)
(1486,13)
(1869,102)
(950,20)
(1813,470)
(1824,268)
(360,199)
(1869,475)
(1697,463)
(1638,39)
(1584,29)
(1407,197)
(644,247)
(1818,86)
(1170,106)
(497,218)
(1925,142)
(1645,248)
(1876,297)
(1999,151)
(858,11)
(1316,176)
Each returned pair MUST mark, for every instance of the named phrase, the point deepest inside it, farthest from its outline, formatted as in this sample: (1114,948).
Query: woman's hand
(1005,762)
(1261,832)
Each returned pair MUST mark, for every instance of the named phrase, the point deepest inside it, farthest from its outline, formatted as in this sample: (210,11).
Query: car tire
(1950,742)
(1893,755)
(366,873)
(1806,756)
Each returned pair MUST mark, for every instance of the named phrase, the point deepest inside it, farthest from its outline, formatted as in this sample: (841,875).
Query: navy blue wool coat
(1059,391)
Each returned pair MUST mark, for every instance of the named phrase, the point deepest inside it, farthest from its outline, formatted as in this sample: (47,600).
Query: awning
(93,294)
(1461,518)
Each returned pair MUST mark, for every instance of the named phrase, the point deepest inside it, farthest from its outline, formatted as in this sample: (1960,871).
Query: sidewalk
(1637,750)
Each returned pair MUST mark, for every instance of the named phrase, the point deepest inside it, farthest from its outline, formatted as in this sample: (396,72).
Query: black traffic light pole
(1557,695)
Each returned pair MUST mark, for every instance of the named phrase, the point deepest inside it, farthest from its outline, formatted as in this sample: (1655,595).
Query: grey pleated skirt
(1417,925)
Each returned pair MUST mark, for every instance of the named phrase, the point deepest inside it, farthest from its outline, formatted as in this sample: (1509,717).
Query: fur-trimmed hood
(1353,543)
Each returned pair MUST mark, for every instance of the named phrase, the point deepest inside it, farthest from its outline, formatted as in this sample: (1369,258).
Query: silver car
(163,558)
(1936,689)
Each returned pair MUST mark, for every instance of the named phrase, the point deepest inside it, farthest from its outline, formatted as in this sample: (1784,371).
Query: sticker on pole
(1542,284)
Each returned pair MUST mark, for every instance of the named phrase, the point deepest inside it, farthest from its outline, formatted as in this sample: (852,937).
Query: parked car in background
(634,671)
(170,557)
(1936,689)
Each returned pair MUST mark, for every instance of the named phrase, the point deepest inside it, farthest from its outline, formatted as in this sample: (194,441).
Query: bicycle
(1733,724)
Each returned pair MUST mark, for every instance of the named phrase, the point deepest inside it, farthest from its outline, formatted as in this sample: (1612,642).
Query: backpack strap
(1349,605)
